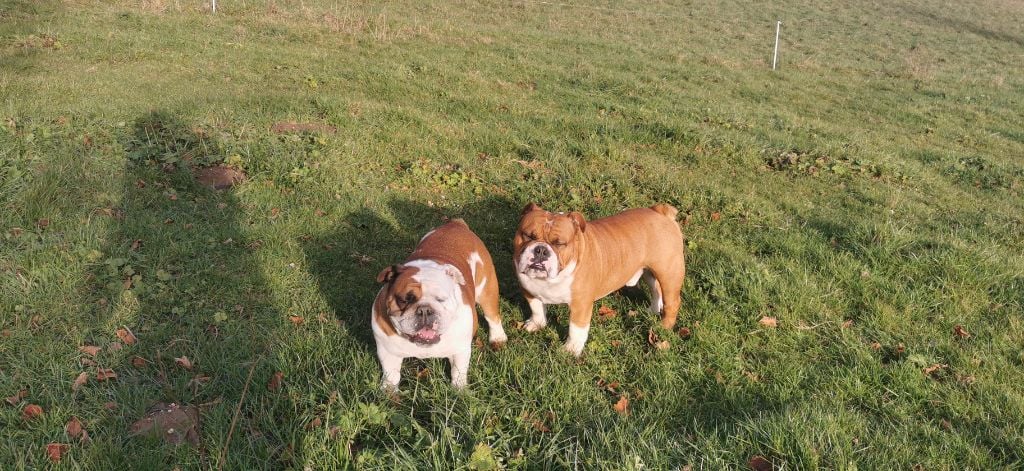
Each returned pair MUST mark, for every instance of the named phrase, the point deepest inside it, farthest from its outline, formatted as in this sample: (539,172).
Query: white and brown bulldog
(563,259)
(426,308)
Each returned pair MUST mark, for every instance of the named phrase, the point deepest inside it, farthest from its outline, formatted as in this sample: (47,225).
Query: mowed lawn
(866,197)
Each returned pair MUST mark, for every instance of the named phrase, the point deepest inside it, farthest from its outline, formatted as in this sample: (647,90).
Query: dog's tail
(666,210)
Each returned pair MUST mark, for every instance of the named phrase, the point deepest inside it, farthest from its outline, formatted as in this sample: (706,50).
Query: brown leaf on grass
(315,423)
(876,346)
(43,223)
(769,321)
(90,350)
(80,381)
(87,362)
(684,333)
(115,347)
(31,411)
(297,320)
(715,216)
(17,397)
(138,362)
(935,368)
(126,336)
(136,245)
(655,340)
(110,405)
(319,213)
(616,343)
(606,312)
(961,332)
(5,333)
(275,381)
(74,428)
(172,422)
(103,374)
(622,407)
(183,362)
(55,451)
(848,323)
(423,373)
(759,463)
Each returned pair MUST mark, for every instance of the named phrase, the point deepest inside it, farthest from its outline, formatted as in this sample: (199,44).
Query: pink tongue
(427,333)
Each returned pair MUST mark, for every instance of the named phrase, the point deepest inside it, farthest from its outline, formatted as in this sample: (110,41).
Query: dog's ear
(456,275)
(577,217)
(530,207)
(389,273)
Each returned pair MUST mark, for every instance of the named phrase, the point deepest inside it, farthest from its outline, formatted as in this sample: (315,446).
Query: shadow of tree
(179,271)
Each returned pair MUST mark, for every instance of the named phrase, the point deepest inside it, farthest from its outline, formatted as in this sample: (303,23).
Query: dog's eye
(440,299)
(559,243)
(529,236)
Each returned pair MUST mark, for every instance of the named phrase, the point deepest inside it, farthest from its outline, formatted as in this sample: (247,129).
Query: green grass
(875,178)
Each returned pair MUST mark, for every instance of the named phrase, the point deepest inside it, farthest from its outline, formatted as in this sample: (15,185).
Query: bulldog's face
(546,243)
(422,299)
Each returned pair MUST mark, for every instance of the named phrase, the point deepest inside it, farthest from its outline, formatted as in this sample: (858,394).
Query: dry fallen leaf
(136,244)
(716,216)
(759,463)
(103,374)
(31,411)
(606,312)
(115,347)
(138,362)
(315,423)
(126,336)
(961,332)
(74,428)
(171,422)
(80,381)
(769,321)
(622,407)
(90,350)
(656,341)
(848,323)
(183,362)
(928,370)
(876,346)
(55,451)
(15,399)
(684,333)
(423,373)
(110,405)
(275,381)
(296,320)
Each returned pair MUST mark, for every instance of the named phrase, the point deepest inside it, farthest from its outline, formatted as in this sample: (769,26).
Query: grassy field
(867,196)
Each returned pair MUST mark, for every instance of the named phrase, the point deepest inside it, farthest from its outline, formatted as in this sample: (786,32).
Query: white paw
(574,347)
(459,382)
(389,387)
(533,326)
(498,334)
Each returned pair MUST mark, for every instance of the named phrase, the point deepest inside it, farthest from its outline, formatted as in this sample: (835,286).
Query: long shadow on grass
(346,261)
(180,273)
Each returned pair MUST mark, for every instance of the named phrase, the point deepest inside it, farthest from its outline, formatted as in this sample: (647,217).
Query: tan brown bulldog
(563,259)
(427,307)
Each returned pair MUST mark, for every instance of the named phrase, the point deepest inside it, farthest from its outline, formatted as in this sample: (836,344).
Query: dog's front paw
(574,347)
(533,326)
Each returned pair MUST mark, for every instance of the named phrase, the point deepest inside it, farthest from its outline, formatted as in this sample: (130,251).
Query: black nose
(424,315)
(541,253)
